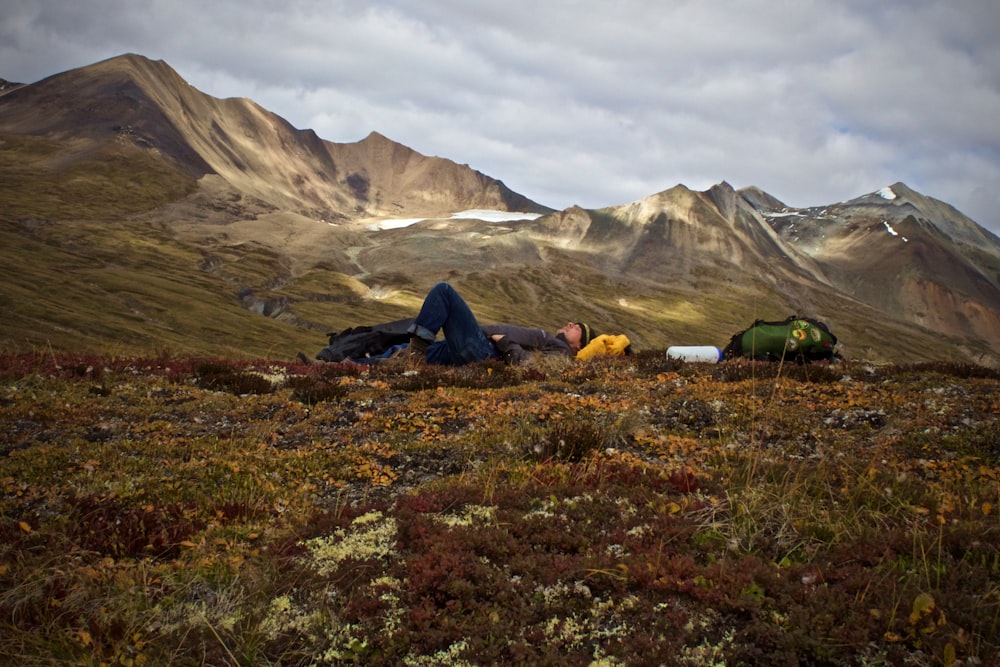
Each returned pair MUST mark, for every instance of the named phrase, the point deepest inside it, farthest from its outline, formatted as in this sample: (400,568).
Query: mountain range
(140,215)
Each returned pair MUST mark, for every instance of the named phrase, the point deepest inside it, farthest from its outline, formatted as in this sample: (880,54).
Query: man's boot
(418,348)
(411,356)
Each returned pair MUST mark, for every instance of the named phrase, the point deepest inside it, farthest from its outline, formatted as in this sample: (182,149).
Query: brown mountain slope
(388,179)
(131,101)
(128,100)
(7,86)
(725,260)
(910,256)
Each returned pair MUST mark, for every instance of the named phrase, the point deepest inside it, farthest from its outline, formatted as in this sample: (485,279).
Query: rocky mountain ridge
(910,255)
(133,100)
(259,218)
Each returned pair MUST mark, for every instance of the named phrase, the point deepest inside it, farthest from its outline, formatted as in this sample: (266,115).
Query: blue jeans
(464,340)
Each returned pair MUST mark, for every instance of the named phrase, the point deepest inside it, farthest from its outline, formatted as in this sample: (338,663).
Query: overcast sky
(591,102)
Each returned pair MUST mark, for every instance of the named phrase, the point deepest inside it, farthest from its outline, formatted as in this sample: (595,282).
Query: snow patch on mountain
(887,193)
(472,214)
(889,228)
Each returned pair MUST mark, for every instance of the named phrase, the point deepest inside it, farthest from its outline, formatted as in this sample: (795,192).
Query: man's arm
(515,344)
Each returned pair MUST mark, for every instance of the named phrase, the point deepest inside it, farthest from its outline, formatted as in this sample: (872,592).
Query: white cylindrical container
(704,353)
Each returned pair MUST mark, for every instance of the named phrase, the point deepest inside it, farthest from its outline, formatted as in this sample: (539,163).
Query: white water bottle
(703,353)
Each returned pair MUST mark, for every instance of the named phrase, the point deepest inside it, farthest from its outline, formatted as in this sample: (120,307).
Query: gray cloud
(590,102)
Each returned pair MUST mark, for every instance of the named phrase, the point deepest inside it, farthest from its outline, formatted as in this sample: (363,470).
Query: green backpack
(798,339)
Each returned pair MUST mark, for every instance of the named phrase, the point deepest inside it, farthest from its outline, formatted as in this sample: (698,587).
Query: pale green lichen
(449,656)
(388,589)
(708,654)
(639,531)
(602,622)
(626,508)
(705,653)
(346,647)
(470,515)
(371,535)
(275,375)
(284,616)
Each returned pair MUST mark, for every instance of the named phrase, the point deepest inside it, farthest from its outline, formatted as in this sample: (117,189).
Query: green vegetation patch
(126,287)
(41,178)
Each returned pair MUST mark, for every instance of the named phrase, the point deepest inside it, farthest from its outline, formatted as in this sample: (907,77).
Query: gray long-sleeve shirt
(518,343)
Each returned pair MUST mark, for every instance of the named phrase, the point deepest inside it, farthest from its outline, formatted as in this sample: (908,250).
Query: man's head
(577,335)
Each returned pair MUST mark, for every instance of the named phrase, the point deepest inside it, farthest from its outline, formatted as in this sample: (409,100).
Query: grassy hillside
(185,511)
(81,274)
(43,178)
(131,286)
(100,287)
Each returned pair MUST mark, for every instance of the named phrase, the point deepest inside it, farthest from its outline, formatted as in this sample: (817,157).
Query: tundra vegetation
(631,511)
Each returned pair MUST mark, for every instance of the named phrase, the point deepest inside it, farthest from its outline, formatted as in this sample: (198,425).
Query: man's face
(573,334)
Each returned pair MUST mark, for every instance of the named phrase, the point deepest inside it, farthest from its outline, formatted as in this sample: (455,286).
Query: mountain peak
(127,59)
(725,198)
(901,189)
(139,68)
(761,200)
(135,103)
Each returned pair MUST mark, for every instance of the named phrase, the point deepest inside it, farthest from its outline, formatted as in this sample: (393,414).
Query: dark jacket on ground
(518,343)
